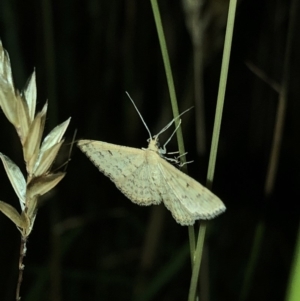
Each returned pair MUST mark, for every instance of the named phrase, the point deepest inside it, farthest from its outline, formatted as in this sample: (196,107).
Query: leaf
(42,184)
(16,178)
(54,136)
(22,119)
(30,95)
(31,205)
(8,101)
(28,224)
(12,214)
(5,67)
(46,159)
(33,141)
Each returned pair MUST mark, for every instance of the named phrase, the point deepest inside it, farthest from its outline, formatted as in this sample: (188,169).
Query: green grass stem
(293,292)
(170,81)
(196,259)
(215,140)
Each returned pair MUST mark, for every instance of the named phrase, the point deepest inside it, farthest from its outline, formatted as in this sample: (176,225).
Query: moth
(147,178)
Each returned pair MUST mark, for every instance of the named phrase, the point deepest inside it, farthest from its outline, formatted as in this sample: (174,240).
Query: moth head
(153,144)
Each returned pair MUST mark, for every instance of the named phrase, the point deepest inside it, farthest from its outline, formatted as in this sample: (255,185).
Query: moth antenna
(150,135)
(171,122)
(177,127)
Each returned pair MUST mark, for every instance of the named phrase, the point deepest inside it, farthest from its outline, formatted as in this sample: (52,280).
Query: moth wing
(188,199)
(179,212)
(125,166)
(164,192)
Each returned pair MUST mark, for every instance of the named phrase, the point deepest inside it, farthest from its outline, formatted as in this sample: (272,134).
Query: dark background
(88,238)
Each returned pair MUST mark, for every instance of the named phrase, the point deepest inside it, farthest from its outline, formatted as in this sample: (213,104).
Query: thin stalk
(170,81)
(215,140)
(221,92)
(174,104)
(21,266)
(197,261)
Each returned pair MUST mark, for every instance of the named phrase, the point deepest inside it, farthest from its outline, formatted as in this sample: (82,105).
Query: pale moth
(146,178)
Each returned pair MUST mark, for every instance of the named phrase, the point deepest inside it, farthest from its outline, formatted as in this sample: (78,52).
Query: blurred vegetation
(89,241)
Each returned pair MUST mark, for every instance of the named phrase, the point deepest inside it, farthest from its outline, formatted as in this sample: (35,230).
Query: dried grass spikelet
(19,109)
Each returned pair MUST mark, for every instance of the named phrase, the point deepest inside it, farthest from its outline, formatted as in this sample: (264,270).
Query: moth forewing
(124,166)
(114,161)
